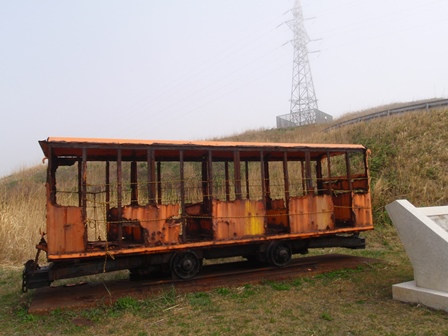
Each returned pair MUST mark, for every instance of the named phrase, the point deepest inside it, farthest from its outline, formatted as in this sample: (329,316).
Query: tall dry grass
(409,160)
(22,214)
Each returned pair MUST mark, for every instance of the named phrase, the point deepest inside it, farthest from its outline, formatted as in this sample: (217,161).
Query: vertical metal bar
(182,181)
(286,181)
(349,174)
(107,182)
(51,176)
(330,183)
(119,199)
(302,167)
(84,193)
(204,185)
(80,163)
(159,182)
(237,173)
(267,184)
(308,176)
(107,187)
(226,172)
(366,167)
(263,177)
(182,194)
(247,179)
(319,181)
(134,184)
(210,181)
(350,186)
(151,177)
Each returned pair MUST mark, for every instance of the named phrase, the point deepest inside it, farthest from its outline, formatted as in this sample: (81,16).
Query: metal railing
(393,111)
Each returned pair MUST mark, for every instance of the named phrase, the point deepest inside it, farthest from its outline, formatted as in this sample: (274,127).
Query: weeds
(278,286)
(199,299)
(326,316)
(409,160)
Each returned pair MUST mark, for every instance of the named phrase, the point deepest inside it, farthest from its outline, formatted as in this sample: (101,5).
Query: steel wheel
(185,265)
(279,254)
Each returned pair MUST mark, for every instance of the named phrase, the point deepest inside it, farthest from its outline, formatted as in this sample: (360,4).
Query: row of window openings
(167,190)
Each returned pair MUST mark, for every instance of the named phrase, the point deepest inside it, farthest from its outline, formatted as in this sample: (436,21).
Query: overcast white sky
(196,69)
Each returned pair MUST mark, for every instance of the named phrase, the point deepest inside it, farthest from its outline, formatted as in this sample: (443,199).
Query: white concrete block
(409,292)
(425,241)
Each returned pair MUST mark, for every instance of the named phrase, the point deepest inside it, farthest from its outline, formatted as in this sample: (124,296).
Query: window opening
(296,178)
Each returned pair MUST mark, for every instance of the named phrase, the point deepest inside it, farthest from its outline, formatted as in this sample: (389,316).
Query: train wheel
(185,265)
(279,254)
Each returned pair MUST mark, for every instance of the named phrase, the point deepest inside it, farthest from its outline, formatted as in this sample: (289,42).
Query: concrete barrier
(424,234)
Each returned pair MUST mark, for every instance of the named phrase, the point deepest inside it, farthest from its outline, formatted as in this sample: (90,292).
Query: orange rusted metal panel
(362,210)
(311,213)
(342,207)
(157,221)
(277,217)
(192,143)
(324,209)
(65,229)
(238,219)
(300,217)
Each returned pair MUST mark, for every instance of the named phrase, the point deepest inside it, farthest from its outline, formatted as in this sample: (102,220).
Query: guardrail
(385,113)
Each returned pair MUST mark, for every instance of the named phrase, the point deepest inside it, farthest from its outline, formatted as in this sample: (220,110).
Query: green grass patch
(408,159)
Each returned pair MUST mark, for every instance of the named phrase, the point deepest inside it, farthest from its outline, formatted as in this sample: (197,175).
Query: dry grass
(22,215)
(409,160)
(344,302)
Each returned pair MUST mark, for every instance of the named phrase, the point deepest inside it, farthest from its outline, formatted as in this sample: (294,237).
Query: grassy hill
(409,154)
(409,160)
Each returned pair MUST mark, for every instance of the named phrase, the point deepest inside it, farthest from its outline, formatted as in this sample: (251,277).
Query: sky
(200,69)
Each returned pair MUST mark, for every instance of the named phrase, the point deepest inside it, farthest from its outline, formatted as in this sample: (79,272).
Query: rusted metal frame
(330,184)
(107,187)
(159,182)
(151,176)
(134,184)
(267,183)
(119,198)
(286,182)
(308,177)
(263,178)
(226,173)
(237,173)
(84,193)
(79,161)
(350,186)
(210,180)
(366,168)
(51,176)
(182,195)
(349,174)
(302,171)
(204,244)
(246,167)
(319,181)
(204,185)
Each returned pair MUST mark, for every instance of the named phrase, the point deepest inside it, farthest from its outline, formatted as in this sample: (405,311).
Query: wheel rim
(185,265)
(279,254)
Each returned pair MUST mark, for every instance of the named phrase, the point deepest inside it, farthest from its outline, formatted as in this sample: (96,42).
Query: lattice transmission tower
(303,99)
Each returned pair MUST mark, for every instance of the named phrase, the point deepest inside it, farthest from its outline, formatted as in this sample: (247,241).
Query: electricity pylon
(303,99)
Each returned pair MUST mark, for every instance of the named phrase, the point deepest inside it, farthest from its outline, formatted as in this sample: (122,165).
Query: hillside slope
(409,153)
(409,160)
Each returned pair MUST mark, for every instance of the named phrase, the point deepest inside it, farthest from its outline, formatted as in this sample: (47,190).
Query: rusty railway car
(150,206)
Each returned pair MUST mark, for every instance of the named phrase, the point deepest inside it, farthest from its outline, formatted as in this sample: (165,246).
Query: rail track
(212,276)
